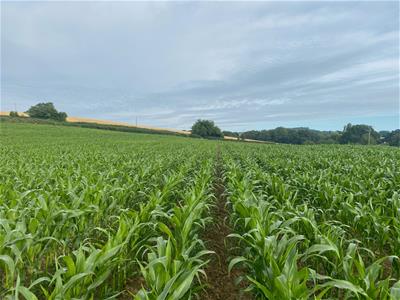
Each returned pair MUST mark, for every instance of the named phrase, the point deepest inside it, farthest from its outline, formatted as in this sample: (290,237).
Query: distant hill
(105,122)
(119,126)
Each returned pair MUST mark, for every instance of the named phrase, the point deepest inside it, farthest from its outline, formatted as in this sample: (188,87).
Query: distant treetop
(46,111)
(359,134)
(206,129)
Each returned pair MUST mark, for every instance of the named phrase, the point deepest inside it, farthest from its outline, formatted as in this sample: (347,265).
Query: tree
(206,129)
(393,139)
(359,134)
(14,114)
(384,134)
(46,111)
(300,135)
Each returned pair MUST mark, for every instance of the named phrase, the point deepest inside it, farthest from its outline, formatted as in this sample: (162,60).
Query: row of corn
(315,222)
(87,214)
(97,215)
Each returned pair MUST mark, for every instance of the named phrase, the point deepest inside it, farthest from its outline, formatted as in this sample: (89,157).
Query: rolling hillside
(124,124)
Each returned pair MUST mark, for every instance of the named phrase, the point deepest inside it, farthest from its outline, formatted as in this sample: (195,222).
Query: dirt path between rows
(220,284)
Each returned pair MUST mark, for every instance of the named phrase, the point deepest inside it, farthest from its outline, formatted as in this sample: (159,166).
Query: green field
(94,214)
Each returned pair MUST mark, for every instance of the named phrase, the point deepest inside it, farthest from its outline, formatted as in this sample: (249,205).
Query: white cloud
(372,68)
(174,62)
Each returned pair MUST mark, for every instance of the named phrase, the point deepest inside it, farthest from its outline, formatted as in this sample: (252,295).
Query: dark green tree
(206,129)
(393,139)
(14,114)
(46,111)
(359,134)
(300,135)
(384,134)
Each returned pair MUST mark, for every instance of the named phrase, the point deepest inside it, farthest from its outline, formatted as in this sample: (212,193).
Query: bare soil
(133,286)
(220,284)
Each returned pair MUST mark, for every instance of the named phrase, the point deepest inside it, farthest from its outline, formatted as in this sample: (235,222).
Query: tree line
(351,134)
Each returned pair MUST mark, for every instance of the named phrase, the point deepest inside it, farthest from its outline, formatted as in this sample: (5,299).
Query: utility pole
(369,135)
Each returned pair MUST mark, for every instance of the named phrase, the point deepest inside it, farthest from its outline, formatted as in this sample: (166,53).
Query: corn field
(91,214)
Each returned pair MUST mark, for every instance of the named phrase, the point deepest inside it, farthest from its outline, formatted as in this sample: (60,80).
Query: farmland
(93,214)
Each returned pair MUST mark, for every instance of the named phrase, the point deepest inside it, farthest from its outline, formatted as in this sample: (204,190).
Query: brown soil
(133,286)
(220,284)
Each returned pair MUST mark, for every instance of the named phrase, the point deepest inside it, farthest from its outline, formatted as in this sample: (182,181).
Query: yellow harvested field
(231,138)
(105,122)
(7,113)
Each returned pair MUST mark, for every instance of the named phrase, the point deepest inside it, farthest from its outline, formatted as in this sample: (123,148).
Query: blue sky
(245,65)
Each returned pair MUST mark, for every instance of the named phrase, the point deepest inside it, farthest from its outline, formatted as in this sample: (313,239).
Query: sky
(245,65)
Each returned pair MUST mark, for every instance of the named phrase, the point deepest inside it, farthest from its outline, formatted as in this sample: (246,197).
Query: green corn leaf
(184,285)
(28,295)
(74,280)
(344,285)
(71,269)
(235,261)
(9,263)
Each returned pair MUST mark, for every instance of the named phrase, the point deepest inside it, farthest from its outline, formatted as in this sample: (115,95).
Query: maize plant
(315,222)
(93,214)
(80,210)
(176,259)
